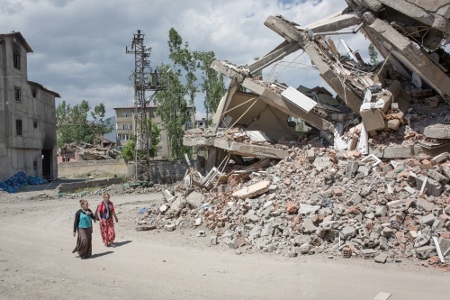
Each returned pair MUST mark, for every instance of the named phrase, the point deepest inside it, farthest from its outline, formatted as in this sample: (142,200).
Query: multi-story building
(125,127)
(27,115)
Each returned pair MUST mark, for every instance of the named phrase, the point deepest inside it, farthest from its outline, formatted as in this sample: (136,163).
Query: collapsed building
(405,97)
(372,176)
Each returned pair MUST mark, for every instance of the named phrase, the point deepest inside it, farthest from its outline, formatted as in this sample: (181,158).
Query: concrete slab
(299,99)
(253,190)
(437,131)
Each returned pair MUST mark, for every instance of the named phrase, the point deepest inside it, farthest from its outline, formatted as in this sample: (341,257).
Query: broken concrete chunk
(178,204)
(168,195)
(432,186)
(425,252)
(305,209)
(308,226)
(322,163)
(170,227)
(253,190)
(372,119)
(437,131)
(441,158)
(428,219)
(437,176)
(195,199)
(381,258)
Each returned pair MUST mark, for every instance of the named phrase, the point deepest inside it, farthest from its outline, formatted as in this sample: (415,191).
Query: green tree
(73,125)
(182,88)
(373,54)
(182,57)
(212,85)
(127,151)
(100,125)
(172,107)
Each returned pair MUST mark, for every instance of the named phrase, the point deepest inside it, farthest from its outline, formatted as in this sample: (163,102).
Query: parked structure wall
(27,115)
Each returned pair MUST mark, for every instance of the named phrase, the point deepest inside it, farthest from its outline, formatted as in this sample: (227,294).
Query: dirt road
(36,262)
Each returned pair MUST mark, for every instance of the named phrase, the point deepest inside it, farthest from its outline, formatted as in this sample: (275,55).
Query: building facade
(125,128)
(27,115)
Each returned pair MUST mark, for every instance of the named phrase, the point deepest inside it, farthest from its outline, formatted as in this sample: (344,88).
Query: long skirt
(84,242)
(107,231)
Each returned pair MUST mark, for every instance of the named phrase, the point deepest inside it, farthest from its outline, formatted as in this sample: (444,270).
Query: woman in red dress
(105,214)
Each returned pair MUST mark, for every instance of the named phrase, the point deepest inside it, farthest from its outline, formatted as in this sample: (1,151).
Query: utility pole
(140,74)
(144,80)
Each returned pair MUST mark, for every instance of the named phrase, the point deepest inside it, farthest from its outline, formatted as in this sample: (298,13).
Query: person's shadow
(118,244)
(101,254)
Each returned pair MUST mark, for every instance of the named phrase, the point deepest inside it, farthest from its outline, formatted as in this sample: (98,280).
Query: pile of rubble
(321,201)
(89,152)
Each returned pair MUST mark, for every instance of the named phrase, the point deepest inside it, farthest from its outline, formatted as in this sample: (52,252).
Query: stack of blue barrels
(14,183)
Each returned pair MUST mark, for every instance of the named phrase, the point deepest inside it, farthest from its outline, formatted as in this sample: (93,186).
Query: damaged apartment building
(27,115)
(393,109)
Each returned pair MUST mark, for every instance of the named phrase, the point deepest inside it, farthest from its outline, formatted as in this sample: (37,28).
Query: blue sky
(79,45)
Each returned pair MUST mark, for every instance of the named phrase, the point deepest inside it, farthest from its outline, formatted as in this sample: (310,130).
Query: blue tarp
(14,183)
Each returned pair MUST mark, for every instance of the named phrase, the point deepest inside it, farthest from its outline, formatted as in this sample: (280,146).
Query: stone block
(254,232)
(310,155)
(252,190)
(424,205)
(306,209)
(425,252)
(267,230)
(380,211)
(337,192)
(392,124)
(367,253)
(355,199)
(352,168)
(446,171)
(441,158)
(170,227)
(167,195)
(322,163)
(308,226)
(432,187)
(229,243)
(437,176)
(428,219)
(348,232)
(251,216)
(437,131)
(444,244)
(178,204)
(372,119)
(422,240)
(381,258)
(195,199)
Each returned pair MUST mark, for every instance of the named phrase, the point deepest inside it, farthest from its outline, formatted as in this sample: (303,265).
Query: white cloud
(79,46)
